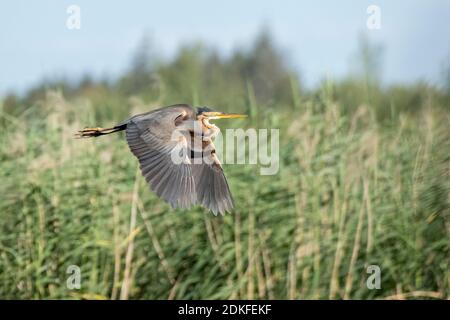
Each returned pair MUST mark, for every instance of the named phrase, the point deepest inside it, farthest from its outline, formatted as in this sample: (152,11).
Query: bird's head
(206,114)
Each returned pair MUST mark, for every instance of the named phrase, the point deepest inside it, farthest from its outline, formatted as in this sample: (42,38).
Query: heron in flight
(174,146)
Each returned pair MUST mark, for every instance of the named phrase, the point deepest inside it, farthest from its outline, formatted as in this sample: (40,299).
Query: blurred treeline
(200,75)
(363,180)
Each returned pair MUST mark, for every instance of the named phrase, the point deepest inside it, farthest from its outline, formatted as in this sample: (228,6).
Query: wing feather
(211,185)
(149,139)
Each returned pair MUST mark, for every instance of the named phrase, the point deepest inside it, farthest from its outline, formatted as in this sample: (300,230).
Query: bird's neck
(207,124)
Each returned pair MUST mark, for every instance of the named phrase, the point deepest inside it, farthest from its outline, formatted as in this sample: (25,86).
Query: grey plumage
(150,137)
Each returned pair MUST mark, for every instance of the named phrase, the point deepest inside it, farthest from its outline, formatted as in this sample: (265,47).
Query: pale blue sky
(319,37)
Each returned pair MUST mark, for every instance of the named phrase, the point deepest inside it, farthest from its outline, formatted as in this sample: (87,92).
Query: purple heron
(175,150)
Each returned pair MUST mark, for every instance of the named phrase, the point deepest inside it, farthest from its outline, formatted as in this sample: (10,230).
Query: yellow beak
(230,116)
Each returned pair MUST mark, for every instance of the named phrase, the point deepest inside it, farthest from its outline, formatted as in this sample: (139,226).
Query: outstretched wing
(181,183)
(211,184)
(150,138)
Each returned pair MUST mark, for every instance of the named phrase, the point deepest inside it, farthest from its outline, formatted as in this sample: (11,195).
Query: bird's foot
(90,132)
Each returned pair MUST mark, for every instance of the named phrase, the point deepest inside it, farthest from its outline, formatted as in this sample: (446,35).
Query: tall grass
(350,193)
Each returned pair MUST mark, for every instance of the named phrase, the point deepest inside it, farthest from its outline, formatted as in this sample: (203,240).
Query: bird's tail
(95,132)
